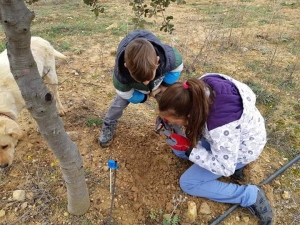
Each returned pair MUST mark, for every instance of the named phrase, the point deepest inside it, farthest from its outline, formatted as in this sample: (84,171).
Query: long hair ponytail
(189,101)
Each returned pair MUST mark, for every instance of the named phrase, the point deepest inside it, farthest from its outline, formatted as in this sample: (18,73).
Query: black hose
(266,181)
(280,171)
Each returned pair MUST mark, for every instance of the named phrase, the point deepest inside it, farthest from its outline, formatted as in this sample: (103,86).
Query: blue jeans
(200,182)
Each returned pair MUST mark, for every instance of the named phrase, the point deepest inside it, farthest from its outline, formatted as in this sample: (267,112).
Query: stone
(286,195)
(246,219)
(205,209)
(19,195)
(191,211)
(2,213)
(24,205)
(29,195)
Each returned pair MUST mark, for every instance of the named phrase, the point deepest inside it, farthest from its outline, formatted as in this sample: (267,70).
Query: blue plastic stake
(112,164)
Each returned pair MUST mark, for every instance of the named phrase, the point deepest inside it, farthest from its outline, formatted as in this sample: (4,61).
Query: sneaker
(238,174)
(262,208)
(106,135)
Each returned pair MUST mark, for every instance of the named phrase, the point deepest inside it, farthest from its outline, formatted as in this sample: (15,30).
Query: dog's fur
(11,101)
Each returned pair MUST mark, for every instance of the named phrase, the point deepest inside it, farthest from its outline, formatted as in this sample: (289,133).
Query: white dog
(11,101)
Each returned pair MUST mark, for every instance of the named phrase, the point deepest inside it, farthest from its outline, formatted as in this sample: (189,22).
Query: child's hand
(176,141)
(162,88)
(148,97)
(155,92)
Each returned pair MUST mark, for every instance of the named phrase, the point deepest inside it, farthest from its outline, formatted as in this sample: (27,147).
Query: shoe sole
(104,145)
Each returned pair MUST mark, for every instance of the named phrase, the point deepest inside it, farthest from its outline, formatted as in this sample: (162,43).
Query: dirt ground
(148,174)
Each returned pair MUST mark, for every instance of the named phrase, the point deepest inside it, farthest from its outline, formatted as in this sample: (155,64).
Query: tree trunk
(16,19)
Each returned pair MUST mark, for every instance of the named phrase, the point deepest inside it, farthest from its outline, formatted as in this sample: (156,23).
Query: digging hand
(176,141)
(161,125)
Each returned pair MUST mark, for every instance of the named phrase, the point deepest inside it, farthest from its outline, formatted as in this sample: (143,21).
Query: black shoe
(238,174)
(262,208)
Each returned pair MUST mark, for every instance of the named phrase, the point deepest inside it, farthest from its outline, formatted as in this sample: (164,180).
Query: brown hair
(141,59)
(189,102)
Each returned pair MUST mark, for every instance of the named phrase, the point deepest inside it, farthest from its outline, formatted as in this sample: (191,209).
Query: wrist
(188,152)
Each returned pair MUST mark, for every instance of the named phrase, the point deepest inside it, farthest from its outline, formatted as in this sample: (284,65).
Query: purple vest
(228,104)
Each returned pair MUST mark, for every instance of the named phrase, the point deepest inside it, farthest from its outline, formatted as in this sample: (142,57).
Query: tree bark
(16,19)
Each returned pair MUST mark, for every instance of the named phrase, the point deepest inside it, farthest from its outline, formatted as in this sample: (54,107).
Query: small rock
(75,72)
(24,205)
(192,211)
(40,202)
(286,195)
(246,219)
(2,213)
(19,195)
(29,195)
(66,214)
(205,209)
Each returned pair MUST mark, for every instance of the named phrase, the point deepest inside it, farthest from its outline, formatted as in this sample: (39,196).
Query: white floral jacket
(240,141)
